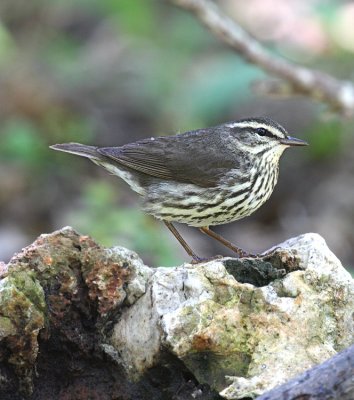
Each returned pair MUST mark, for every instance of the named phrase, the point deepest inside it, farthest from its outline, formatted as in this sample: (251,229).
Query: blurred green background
(113,71)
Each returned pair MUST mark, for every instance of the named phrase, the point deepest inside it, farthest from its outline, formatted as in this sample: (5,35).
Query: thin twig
(318,85)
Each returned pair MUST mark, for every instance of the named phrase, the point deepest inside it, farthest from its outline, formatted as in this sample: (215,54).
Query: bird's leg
(184,244)
(272,252)
(241,253)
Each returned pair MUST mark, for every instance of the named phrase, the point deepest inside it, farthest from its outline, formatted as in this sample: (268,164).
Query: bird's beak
(291,141)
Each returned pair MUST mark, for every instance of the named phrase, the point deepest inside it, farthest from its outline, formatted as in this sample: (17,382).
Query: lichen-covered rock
(77,313)
(240,338)
(112,276)
(22,316)
(64,284)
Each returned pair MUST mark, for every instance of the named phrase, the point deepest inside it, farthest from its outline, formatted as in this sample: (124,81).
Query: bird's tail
(78,149)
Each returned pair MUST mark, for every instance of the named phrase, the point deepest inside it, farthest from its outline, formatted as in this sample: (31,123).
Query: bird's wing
(188,158)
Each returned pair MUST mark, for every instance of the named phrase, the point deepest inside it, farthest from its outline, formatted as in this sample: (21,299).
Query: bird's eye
(263,132)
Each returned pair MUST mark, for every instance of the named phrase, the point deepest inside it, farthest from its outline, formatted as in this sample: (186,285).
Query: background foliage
(109,72)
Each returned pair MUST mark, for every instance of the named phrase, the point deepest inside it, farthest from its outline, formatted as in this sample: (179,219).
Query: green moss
(26,282)
(22,300)
(6,327)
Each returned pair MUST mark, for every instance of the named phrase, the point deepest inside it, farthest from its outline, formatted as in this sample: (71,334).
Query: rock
(66,288)
(85,317)
(239,338)
(332,379)
(22,317)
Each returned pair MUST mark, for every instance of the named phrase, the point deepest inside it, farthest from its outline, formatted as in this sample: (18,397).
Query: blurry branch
(338,94)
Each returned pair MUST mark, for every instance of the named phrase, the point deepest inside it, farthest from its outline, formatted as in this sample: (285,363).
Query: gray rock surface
(239,338)
(241,326)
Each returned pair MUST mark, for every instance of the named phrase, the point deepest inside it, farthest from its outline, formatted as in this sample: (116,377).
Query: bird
(202,178)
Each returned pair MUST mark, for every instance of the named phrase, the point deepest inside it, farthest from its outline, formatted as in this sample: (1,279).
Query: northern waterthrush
(204,177)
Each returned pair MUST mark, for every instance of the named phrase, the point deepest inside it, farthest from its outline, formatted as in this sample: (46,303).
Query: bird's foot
(271,252)
(266,254)
(243,254)
(198,260)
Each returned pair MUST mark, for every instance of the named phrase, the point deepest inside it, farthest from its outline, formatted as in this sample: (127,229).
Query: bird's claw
(198,260)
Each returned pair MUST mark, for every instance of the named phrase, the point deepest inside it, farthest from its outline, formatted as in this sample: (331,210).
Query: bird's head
(261,135)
